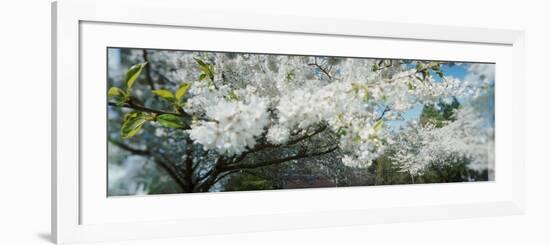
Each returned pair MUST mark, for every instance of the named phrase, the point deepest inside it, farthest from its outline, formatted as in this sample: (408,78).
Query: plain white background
(25,123)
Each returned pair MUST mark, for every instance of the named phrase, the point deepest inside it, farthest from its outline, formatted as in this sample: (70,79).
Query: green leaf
(410,85)
(231,95)
(114,92)
(120,101)
(341,131)
(118,95)
(133,74)
(425,74)
(169,120)
(202,76)
(419,66)
(130,115)
(165,94)
(378,125)
(440,74)
(182,90)
(207,69)
(375,67)
(355,87)
(132,124)
(210,72)
(290,75)
(200,62)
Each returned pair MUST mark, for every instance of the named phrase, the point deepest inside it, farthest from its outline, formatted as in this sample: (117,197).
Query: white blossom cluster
(313,104)
(235,127)
(467,137)
(404,90)
(345,110)
(363,143)
(203,96)
(276,96)
(278,135)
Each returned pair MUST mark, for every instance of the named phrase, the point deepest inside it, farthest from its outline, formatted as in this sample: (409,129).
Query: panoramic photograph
(184,121)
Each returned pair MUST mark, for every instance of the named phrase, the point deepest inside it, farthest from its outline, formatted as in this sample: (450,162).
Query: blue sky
(457,71)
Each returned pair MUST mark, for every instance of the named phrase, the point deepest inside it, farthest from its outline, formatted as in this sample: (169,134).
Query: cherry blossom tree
(205,116)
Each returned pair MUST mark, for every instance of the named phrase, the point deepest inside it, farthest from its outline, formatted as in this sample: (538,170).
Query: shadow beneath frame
(46,237)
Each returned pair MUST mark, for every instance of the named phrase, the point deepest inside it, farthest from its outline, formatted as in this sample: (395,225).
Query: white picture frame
(72,202)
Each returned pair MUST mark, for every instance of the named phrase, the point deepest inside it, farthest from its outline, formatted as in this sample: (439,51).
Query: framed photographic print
(168,125)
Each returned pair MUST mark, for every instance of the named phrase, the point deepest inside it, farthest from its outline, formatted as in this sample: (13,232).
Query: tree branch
(163,77)
(129,148)
(141,108)
(277,161)
(307,136)
(321,68)
(225,175)
(212,175)
(169,168)
(173,172)
(148,70)
(386,109)
(383,67)
(393,79)
(224,170)
(261,147)
(203,177)
(189,166)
